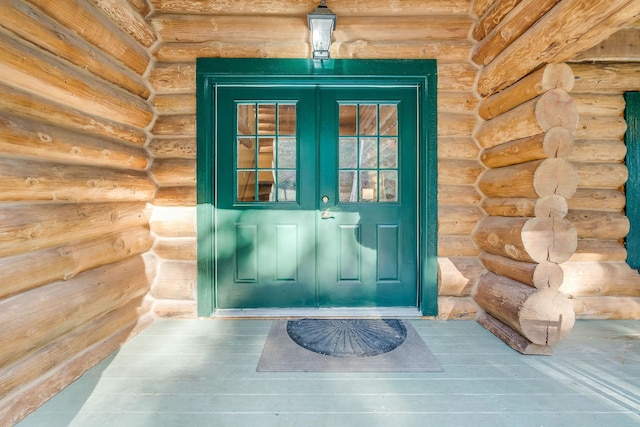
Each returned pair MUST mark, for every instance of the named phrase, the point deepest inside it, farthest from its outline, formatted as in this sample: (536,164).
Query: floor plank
(195,372)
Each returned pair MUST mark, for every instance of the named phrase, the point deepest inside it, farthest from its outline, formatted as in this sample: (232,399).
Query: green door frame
(211,72)
(632,188)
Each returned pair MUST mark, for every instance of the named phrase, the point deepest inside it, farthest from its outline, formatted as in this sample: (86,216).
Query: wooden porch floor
(202,373)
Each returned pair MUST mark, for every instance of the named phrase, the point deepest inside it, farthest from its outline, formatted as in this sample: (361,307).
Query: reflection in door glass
(266,152)
(368,152)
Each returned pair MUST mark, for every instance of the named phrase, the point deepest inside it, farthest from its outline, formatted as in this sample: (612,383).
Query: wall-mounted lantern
(322,22)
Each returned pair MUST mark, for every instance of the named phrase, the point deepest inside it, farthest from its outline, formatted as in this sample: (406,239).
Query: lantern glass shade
(321,24)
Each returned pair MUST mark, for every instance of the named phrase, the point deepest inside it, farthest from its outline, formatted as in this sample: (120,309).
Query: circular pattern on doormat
(348,337)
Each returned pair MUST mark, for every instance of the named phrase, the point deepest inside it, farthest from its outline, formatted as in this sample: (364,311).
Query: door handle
(325,214)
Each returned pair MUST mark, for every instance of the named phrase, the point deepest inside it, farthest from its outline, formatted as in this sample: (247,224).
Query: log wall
(74,188)
(552,141)
(388,29)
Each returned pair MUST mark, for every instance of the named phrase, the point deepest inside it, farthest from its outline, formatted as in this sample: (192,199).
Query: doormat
(345,345)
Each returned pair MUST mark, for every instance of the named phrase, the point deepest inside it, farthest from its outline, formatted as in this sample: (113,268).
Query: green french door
(316,196)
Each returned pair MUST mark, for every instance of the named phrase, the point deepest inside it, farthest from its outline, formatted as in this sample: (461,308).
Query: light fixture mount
(322,22)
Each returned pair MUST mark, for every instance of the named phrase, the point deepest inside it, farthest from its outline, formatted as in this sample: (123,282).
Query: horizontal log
(598,199)
(177,249)
(599,150)
(600,127)
(41,141)
(527,239)
(549,77)
(479,7)
(464,195)
(492,17)
(621,46)
(456,76)
(511,337)
(178,148)
(174,172)
(171,78)
(456,308)
(555,142)
(606,78)
(175,280)
(510,28)
(295,48)
(543,41)
(34,26)
(601,175)
(175,309)
(123,14)
(591,224)
(175,104)
(456,125)
(599,250)
(175,196)
(30,325)
(27,398)
(444,49)
(545,275)
(600,279)
(457,275)
(67,261)
(455,246)
(181,125)
(547,206)
(544,316)
(173,221)
(283,28)
(626,14)
(302,7)
(597,104)
(28,228)
(458,171)
(553,108)
(89,23)
(607,308)
(142,6)
(456,147)
(60,351)
(34,70)
(457,102)
(29,105)
(23,180)
(458,219)
(538,178)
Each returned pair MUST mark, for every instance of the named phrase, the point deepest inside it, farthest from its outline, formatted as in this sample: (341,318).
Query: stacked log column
(526,236)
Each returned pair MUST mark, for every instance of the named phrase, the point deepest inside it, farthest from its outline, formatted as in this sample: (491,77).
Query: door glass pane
(287,153)
(287,185)
(348,121)
(266,119)
(348,186)
(246,186)
(246,119)
(388,119)
(348,152)
(388,186)
(368,117)
(368,152)
(266,152)
(389,153)
(368,186)
(286,119)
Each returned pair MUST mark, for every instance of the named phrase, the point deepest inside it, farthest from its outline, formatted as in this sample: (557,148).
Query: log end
(546,317)
(512,338)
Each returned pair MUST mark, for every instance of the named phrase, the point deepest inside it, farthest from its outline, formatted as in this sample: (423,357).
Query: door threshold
(375,312)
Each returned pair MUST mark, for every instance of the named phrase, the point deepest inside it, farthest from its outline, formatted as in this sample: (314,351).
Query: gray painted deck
(202,373)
